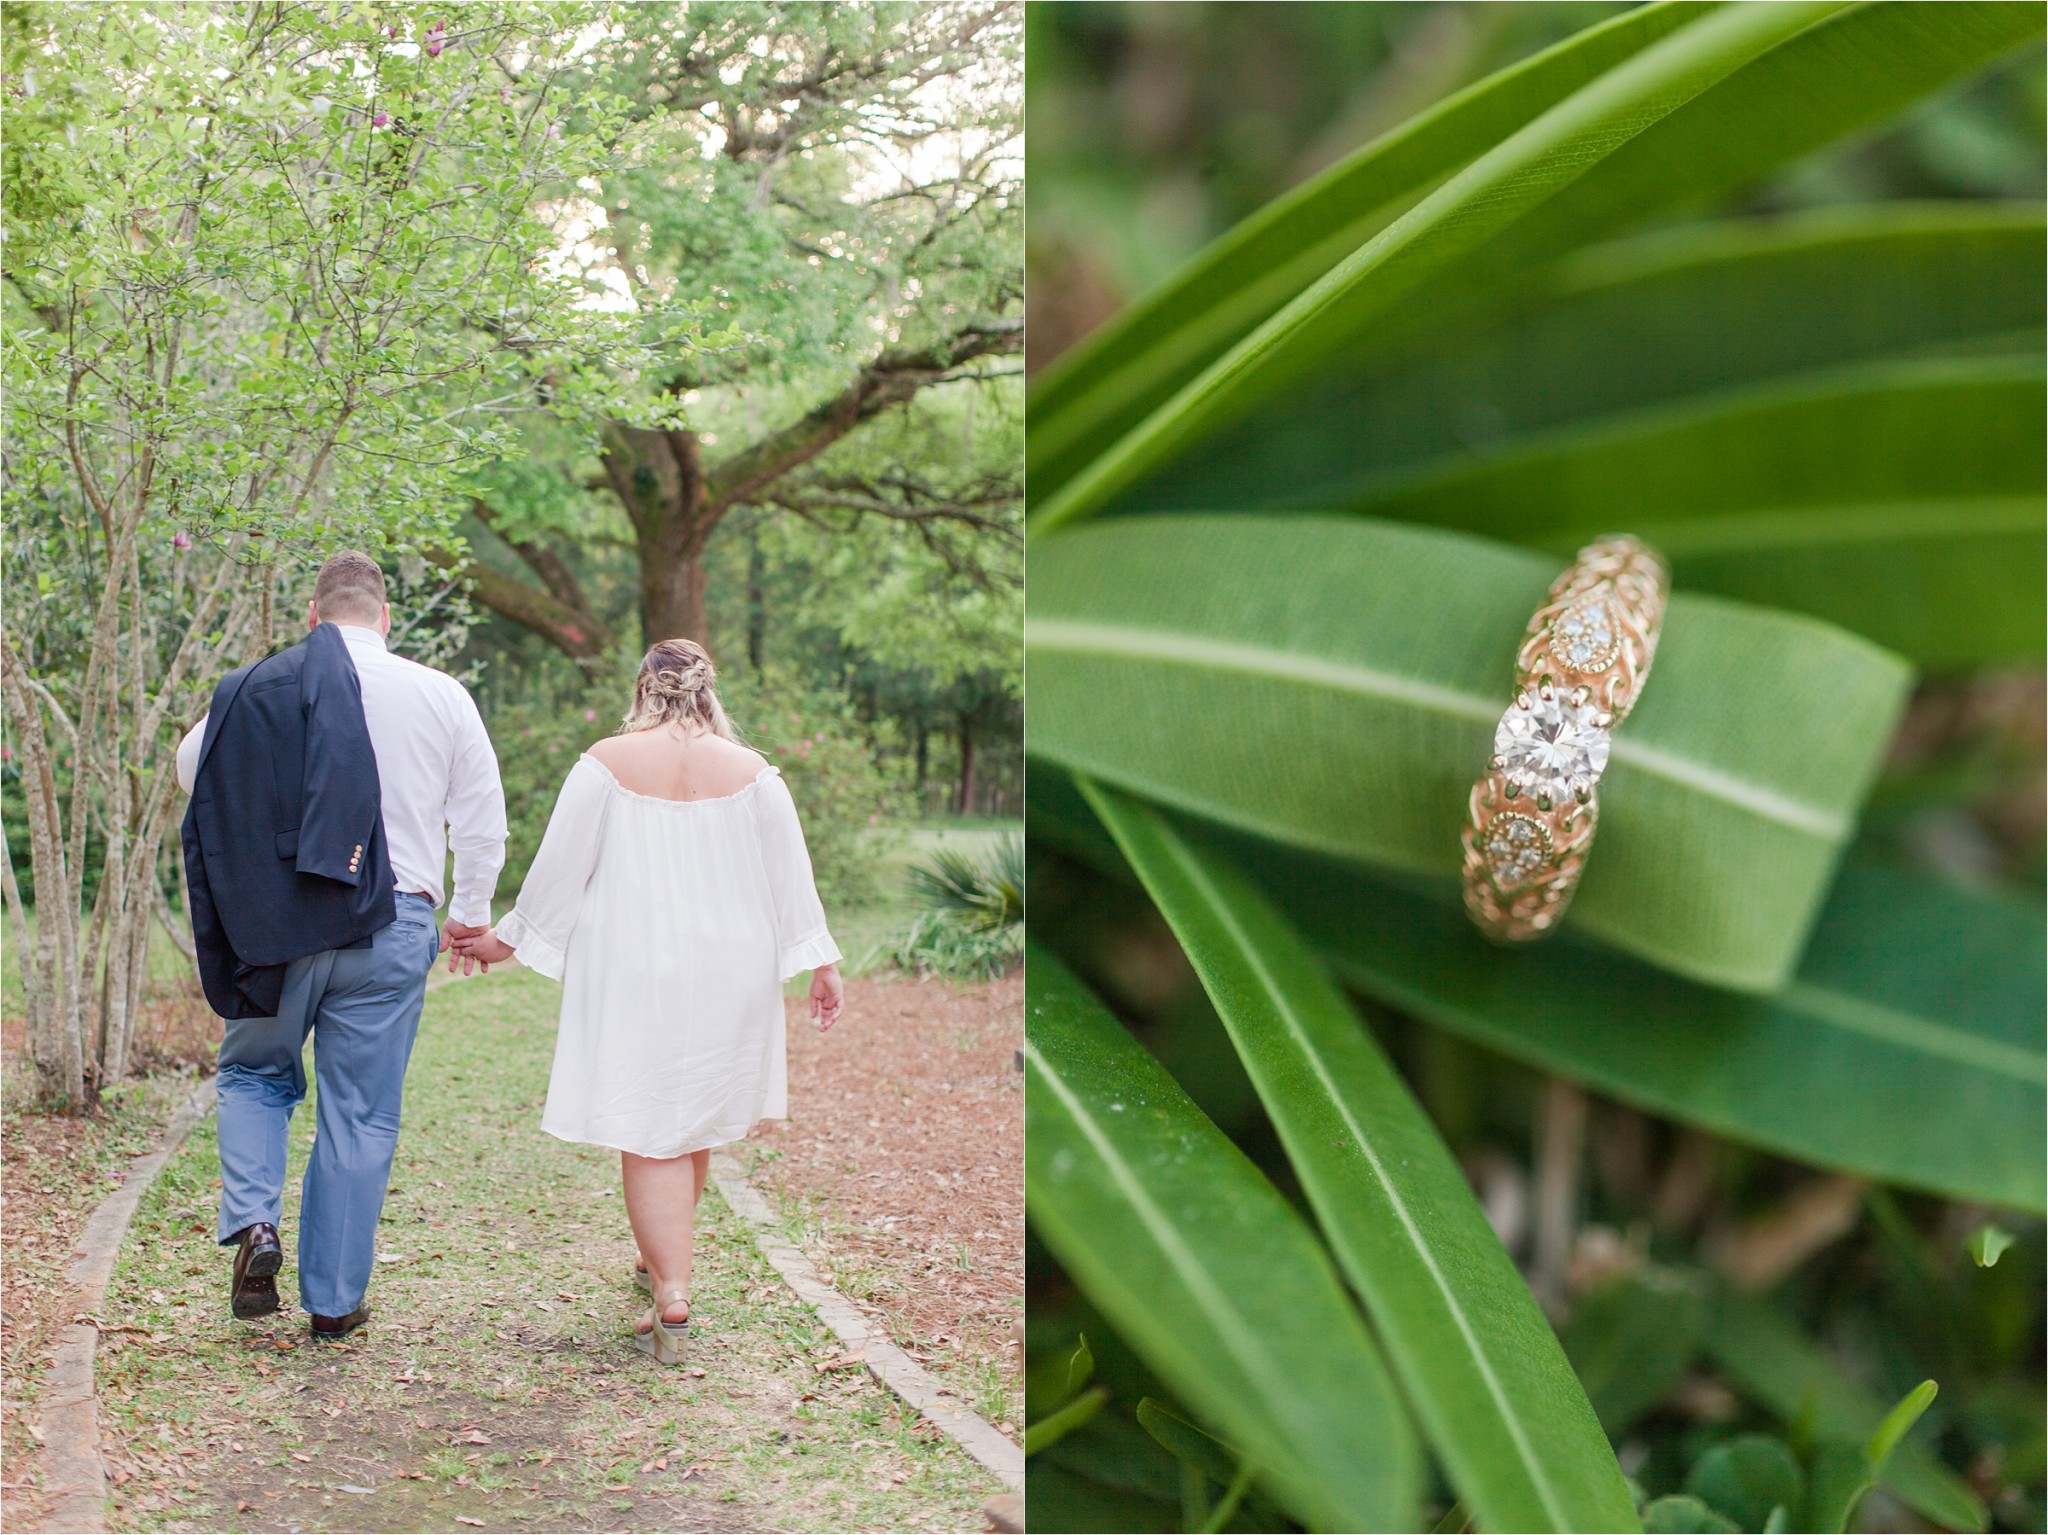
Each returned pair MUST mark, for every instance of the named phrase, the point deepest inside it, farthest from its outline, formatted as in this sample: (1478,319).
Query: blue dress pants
(361,1007)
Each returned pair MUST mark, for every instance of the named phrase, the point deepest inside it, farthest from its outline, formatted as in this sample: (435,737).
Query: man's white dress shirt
(437,773)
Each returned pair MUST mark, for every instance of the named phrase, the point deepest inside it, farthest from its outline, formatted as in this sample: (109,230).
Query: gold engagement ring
(1578,674)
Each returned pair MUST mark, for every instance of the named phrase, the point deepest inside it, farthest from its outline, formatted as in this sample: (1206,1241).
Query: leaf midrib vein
(1859,1015)
(1137,643)
(1242,1340)
(1199,877)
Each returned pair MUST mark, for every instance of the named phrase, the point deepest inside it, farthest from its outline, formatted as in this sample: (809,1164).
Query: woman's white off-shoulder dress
(672,925)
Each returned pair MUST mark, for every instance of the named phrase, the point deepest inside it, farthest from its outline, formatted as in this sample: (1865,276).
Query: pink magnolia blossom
(590,714)
(380,119)
(437,37)
(181,540)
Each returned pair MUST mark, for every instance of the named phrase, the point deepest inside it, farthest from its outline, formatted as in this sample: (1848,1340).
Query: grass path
(495,1386)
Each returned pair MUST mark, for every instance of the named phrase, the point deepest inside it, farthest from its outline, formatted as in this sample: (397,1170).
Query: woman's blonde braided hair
(677,685)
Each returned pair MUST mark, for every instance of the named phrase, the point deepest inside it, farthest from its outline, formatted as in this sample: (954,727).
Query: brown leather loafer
(331,1327)
(258,1257)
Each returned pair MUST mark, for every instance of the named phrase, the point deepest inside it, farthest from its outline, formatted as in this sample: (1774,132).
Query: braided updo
(677,686)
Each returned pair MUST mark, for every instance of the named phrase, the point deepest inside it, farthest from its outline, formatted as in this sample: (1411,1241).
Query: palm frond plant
(969,925)
(984,895)
(1289,514)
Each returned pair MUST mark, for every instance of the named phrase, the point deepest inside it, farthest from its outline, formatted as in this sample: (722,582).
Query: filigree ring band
(1578,674)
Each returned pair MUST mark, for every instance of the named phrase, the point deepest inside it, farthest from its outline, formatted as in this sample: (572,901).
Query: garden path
(495,1387)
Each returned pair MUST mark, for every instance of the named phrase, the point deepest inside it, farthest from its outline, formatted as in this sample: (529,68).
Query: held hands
(474,948)
(828,996)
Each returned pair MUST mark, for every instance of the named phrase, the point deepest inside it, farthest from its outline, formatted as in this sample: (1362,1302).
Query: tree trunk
(966,801)
(659,479)
(49,977)
(757,600)
(674,506)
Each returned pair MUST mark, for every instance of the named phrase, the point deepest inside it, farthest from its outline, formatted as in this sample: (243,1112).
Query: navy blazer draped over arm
(284,837)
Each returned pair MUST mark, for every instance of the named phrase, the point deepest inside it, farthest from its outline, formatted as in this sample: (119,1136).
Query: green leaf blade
(1945,1097)
(1614,329)
(1687,118)
(1899,1422)
(1203,1267)
(1473,1351)
(1109,382)
(1730,791)
(1901,500)
(1926,999)
(1501,185)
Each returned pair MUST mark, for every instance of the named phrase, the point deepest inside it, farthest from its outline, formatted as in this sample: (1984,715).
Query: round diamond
(1585,639)
(1517,848)
(1551,747)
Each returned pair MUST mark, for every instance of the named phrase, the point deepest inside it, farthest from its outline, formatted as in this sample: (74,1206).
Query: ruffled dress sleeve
(551,900)
(801,936)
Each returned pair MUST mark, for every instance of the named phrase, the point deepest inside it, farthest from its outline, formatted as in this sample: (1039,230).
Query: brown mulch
(905,1149)
(55,1169)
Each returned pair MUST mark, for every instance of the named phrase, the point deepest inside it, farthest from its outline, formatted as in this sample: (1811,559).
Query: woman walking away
(672,897)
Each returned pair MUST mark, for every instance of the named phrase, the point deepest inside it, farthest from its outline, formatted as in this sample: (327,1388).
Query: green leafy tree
(840,186)
(273,276)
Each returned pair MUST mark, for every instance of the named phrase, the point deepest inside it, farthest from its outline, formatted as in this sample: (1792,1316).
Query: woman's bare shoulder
(616,751)
(659,763)
(726,767)
(736,754)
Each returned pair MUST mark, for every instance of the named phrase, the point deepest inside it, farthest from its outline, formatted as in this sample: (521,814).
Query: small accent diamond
(1584,638)
(1517,848)
(1554,748)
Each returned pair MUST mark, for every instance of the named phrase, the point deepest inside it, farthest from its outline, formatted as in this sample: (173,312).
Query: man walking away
(283,859)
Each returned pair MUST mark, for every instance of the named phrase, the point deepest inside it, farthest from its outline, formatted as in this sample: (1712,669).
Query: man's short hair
(350,588)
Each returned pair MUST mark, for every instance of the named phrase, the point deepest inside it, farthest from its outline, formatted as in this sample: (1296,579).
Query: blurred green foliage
(1155,127)
(1741,1322)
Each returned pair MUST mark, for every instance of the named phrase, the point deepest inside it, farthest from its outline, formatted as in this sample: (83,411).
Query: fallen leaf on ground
(306,1458)
(472,1436)
(465,1519)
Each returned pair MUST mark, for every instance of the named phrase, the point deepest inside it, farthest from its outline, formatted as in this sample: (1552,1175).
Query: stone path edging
(74,1477)
(888,1363)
